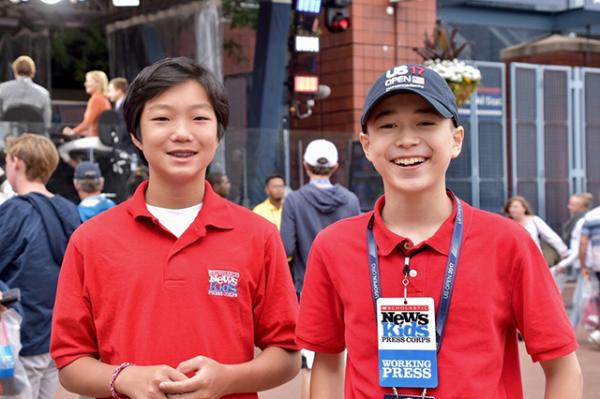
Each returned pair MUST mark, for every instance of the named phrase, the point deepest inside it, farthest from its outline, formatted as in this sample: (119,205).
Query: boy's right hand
(141,382)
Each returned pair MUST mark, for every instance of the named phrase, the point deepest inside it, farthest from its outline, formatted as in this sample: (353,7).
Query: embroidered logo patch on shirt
(223,283)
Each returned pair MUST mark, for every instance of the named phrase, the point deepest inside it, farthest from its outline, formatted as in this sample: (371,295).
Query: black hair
(135,178)
(214,178)
(274,176)
(159,77)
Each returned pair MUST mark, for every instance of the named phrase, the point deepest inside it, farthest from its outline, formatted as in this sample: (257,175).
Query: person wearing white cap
(309,210)
(314,206)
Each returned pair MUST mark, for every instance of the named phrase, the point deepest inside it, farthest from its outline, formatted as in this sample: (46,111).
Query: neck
(25,187)
(523,219)
(416,216)
(318,177)
(276,203)
(320,181)
(83,195)
(174,195)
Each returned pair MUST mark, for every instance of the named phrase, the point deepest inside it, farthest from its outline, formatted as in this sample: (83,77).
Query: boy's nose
(407,138)
(181,132)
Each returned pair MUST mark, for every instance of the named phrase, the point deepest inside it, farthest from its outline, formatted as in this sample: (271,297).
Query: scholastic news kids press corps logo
(406,324)
(407,327)
(404,76)
(223,283)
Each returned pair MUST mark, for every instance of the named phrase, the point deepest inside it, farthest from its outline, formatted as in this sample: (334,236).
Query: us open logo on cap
(223,283)
(404,76)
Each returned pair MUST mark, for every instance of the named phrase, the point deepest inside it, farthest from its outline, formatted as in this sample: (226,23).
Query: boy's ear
(365,142)
(458,135)
(135,141)
(19,164)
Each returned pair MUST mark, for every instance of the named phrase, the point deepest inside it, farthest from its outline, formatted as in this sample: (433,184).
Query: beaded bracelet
(115,374)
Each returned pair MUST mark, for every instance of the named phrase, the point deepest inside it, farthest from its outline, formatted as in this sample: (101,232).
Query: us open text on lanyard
(447,287)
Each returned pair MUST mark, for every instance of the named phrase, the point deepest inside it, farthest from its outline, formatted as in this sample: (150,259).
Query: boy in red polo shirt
(169,292)
(427,293)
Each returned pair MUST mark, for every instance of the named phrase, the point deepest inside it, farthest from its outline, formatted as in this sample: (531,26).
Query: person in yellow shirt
(272,207)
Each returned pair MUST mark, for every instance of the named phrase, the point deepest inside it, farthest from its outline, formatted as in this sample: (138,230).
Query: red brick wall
(349,62)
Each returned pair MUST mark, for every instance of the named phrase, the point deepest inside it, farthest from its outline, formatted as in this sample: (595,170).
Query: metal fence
(479,175)
(555,134)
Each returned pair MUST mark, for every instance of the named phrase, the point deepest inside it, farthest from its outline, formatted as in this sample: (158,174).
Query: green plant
(241,13)
(442,45)
(74,52)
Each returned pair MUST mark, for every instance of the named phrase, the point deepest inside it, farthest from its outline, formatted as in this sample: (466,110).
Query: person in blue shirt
(88,182)
(36,226)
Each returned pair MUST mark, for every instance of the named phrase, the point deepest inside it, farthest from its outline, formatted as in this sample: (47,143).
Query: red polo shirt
(129,290)
(502,285)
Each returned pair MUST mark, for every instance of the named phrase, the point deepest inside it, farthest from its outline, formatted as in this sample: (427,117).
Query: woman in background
(518,209)
(95,84)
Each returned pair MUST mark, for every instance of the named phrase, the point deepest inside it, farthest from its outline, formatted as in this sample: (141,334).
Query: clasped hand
(210,380)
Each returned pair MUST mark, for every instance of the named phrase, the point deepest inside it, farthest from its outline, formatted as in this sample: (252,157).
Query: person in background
(36,226)
(88,182)
(23,91)
(314,206)
(590,268)
(95,84)
(309,210)
(271,208)
(117,89)
(578,205)
(6,190)
(219,183)
(518,209)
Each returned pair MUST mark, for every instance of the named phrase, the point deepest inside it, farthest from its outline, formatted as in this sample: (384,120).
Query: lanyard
(451,267)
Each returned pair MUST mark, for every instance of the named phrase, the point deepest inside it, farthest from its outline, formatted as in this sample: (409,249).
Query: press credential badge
(407,342)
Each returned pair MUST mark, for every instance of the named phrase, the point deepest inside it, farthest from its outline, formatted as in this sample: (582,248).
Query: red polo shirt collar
(215,209)
(387,241)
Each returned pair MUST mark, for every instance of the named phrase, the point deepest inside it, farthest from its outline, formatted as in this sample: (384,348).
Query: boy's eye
(426,123)
(160,119)
(201,118)
(388,125)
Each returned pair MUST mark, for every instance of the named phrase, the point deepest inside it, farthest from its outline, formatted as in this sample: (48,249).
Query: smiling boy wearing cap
(425,269)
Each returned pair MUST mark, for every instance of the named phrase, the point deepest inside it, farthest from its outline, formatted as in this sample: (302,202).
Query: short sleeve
(275,302)
(321,318)
(585,229)
(73,333)
(538,307)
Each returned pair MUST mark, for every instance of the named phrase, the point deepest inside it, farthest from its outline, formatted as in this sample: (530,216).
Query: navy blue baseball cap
(87,170)
(416,79)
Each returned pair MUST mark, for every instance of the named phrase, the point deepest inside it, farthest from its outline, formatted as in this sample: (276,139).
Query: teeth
(181,154)
(408,161)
